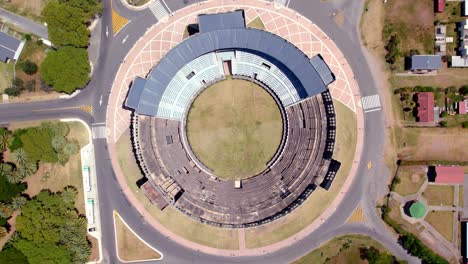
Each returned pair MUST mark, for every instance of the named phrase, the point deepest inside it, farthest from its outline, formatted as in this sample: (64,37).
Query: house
(425,63)
(425,110)
(449,175)
(462,107)
(440,40)
(464,8)
(10,47)
(462,59)
(440,5)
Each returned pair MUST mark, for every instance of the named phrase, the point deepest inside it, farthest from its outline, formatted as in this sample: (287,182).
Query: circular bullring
(162,101)
(234,128)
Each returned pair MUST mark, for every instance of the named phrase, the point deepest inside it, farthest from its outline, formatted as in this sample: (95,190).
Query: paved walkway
(282,21)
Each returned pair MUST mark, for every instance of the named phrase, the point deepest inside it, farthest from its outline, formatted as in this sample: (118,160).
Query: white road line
(373,110)
(158,10)
(99,131)
(107,31)
(125,39)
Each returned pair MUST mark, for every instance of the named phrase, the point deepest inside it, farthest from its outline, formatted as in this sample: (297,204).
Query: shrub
(13,91)
(443,123)
(444,114)
(29,67)
(27,37)
(465,124)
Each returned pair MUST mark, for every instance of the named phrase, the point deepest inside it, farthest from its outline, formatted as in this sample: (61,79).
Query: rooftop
(417,210)
(449,174)
(426,62)
(425,107)
(10,47)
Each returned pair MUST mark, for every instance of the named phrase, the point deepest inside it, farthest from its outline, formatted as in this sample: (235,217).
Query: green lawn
(172,219)
(344,249)
(234,127)
(439,195)
(6,75)
(442,221)
(320,199)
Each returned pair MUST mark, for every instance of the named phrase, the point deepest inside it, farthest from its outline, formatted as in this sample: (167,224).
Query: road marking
(99,131)
(55,109)
(369,165)
(100,100)
(158,8)
(357,216)
(107,31)
(371,103)
(125,39)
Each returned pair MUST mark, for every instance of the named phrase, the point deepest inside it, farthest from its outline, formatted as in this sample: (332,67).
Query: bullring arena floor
(278,20)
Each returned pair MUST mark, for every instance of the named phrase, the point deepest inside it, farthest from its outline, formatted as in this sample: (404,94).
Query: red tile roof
(440,5)
(426,107)
(446,174)
(462,107)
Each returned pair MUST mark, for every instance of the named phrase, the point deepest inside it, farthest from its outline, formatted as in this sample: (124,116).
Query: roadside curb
(137,8)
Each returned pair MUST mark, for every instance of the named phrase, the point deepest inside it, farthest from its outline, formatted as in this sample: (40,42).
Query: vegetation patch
(130,247)
(257,23)
(439,195)
(234,127)
(442,221)
(354,249)
(410,180)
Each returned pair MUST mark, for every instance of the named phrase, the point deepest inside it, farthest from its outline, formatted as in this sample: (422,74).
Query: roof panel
(211,22)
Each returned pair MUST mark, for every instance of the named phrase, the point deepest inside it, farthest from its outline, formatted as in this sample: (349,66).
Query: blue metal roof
(426,62)
(322,69)
(293,62)
(8,46)
(212,22)
(133,98)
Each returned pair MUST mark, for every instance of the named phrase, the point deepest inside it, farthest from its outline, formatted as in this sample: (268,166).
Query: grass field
(29,8)
(434,143)
(442,221)
(439,195)
(344,249)
(6,75)
(411,179)
(256,23)
(320,199)
(172,219)
(234,127)
(130,247)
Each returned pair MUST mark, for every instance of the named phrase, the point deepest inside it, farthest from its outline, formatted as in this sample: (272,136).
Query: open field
(411,179)
(439,195)
(433,144)
(29,8)
(413,22)
(129,246)
(445,77)
(320,199)
(234,127)
(344,249)
(6,75)
(371,25)
(172,219)
(442,221)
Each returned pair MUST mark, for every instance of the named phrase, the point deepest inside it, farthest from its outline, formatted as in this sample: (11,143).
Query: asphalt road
(25,24)
(365,191)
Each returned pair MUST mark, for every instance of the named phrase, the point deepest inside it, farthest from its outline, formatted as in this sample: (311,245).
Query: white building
(462,59)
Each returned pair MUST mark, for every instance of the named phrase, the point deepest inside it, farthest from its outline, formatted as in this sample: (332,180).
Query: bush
(465,124)
(444,114)
(16,143)
(13,91)
(464,90)
(443,123)
(27,37)
(29,67)
(393,51)
(29,85)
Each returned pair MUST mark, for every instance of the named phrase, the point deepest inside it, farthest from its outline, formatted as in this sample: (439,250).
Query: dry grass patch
(440,195)
(344,249)
(371,25)
(28,8)
(411,179)
(320,199)
(172,219)
(94,248)
(234,127)
(129,246)
(6,75)
(442,221)
(434,144)
(460,196)
(257,23)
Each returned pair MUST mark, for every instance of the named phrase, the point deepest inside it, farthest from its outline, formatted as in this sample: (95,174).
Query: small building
(425,63)
(461,60)
(10,47)
(425,110)
(462,107)
(440,40)
(449,175)
(440,5)
(464,8)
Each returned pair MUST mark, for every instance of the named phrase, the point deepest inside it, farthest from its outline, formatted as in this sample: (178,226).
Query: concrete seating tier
(285,184)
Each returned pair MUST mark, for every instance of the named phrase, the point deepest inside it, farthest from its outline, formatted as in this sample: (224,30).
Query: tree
(10,255)
(45,252)
(6,169)
(20,156)
(465,124)
(393,51)
(66,24)
(58,141)
(3,231)
(464,90)
(374,256)
(26,170)
(37,145)
(89,7)
(70,148)
(69,195)
(66,69)
(9,190)
(5,138)
(29,67)
(18,202)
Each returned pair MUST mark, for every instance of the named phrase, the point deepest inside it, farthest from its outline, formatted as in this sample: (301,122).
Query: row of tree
(375,256)
(67,68)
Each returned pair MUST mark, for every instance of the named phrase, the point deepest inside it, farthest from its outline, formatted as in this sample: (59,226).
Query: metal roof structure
(303,72)
(210,22)
(426,62)
(417,210)
(10,47)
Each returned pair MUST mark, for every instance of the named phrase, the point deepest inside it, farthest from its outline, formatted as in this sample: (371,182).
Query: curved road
(368,187)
